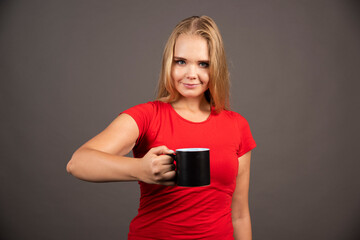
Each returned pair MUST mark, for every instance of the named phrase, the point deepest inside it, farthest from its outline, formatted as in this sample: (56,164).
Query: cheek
(176,73)
(205,77)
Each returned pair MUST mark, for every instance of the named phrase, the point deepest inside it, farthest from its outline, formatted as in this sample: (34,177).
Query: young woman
(192,110)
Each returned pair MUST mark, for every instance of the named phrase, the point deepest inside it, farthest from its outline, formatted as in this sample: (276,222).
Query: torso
(173,212)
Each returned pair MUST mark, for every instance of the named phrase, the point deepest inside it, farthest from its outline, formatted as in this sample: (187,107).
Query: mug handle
(172,155)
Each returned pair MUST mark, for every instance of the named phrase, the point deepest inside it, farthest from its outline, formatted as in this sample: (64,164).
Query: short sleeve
(247,142)
(142,114)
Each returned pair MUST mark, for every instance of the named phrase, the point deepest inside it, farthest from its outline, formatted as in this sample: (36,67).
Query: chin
(187,95)
(191,93)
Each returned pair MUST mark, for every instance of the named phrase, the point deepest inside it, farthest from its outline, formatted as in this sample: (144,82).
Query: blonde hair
(218,93)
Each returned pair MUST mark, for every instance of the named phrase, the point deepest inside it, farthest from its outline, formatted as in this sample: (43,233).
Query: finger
(168,178)
(169,175)
(166,169)
(165,159)
(161,150)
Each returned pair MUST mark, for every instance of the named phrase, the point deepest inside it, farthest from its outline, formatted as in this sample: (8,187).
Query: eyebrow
(181,58)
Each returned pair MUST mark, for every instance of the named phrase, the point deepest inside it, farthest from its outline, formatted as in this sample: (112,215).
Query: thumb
(161,150)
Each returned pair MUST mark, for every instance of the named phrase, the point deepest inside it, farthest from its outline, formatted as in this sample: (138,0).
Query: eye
(180,62)
(204,64)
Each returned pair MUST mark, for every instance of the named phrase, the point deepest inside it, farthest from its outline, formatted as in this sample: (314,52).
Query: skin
(190,73)
(102,158)
(240,201)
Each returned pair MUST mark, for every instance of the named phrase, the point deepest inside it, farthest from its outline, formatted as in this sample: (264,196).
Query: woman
(192,110)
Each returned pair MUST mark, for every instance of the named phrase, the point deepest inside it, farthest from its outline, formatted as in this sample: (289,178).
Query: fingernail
(171,151)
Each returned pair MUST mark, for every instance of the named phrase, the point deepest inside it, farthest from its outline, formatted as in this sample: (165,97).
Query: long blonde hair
(218,93)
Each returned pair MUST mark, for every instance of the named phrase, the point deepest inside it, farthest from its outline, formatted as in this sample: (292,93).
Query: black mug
(192,167)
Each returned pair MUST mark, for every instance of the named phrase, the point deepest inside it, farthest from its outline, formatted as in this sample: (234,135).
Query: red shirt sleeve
(247,141)
(142,114)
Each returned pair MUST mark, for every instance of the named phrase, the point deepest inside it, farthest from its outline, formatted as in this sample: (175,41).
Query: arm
(240,202)
(102,159)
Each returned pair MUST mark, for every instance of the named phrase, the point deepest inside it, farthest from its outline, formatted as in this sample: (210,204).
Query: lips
(187,85)
(190,83)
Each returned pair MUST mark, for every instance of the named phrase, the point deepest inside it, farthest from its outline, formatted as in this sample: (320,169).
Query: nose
(191,72)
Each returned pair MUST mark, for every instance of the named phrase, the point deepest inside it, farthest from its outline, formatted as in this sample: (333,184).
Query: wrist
(136,170)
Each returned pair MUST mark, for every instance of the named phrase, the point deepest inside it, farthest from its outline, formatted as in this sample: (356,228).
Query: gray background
(68,68)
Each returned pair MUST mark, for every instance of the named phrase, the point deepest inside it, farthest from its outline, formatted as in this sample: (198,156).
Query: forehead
(191,47)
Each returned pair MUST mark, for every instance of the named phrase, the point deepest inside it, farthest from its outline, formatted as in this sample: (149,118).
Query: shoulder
(235,119)
(147,111)
(148,106)
(233,116)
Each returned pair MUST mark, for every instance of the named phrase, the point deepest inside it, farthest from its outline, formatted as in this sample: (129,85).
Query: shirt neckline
(186,120)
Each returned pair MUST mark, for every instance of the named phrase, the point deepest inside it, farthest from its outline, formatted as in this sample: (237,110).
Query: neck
(192,104)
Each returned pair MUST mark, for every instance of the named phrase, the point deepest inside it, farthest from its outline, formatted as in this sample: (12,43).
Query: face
(190,69)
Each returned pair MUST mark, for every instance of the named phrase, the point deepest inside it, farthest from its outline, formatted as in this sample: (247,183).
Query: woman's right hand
(157,167)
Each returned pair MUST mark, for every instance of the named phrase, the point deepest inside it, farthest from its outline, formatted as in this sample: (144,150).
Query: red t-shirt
(172,212)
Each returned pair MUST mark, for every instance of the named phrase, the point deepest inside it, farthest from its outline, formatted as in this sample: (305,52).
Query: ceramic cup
(192,167)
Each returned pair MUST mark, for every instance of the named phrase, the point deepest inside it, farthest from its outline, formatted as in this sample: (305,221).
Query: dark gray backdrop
(67,68)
